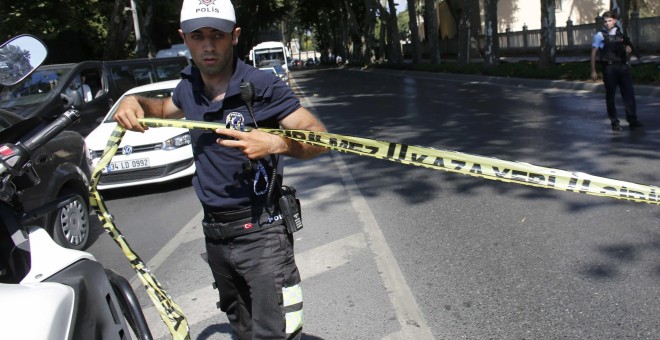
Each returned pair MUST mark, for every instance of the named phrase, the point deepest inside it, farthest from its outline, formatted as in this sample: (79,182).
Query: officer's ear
(234,35)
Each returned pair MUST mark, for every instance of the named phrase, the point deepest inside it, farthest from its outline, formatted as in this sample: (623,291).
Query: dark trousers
(258,283)
(619,75)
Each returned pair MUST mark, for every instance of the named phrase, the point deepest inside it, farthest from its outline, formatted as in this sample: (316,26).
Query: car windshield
(34,89)
(270,63)
(161,93)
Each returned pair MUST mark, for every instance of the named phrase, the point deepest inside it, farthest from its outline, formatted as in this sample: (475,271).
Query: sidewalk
(597,86)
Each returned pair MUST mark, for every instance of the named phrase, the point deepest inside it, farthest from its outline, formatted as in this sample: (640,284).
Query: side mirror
(19,57)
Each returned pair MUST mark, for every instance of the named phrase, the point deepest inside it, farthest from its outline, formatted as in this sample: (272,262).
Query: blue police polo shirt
(599,40)
(221,180)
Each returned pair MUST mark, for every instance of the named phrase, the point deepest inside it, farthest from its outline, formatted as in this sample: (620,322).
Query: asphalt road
(391,251)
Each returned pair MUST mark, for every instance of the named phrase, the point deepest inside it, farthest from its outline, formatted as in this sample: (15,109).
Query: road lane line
(328,256)
(410,317)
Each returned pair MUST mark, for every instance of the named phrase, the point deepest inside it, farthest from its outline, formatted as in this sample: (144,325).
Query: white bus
(267,51)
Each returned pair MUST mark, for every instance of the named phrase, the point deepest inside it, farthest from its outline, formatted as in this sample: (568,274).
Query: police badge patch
(235,121)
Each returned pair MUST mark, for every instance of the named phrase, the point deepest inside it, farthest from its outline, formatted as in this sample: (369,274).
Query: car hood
(98,138)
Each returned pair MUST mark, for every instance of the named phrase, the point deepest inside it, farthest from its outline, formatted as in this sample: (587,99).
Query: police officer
(249,249)
(614,50)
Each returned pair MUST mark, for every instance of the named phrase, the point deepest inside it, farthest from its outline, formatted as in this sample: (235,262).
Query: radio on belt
(290,208)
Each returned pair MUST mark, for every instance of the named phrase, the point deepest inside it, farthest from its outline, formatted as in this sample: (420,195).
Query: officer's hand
(128,113)
(594,75)
(254,144)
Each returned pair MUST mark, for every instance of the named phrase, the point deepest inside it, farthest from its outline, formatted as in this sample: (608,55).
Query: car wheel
(71,226)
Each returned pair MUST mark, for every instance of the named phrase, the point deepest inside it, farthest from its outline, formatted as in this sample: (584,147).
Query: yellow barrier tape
(453,161)
(169,311)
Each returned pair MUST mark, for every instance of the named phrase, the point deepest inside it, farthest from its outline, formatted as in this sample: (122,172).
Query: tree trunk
(357,37)
(368,33)
(145,47)
(414,31)
(622,9)
(382,41)
(118,32)
(547,54)
(433,39)
(468,26)
(492,48)
(393,35)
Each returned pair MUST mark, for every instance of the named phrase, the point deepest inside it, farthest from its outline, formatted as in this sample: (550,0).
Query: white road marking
(410,317)
(199,304)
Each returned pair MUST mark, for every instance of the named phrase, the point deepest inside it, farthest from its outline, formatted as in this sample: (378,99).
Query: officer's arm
(594,74)
(630,48)
(132,108)
(258,144)
(301,119)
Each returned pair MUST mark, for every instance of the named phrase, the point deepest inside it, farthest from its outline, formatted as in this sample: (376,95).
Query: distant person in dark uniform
(614,49)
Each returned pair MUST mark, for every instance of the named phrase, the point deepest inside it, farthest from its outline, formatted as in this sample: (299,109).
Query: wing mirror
(19,57)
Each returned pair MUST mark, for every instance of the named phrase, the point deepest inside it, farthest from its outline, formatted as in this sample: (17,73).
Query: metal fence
(644,33)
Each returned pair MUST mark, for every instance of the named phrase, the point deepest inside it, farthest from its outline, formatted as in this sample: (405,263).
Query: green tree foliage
(360,30)
(17,63)
(257,17)
(71,29)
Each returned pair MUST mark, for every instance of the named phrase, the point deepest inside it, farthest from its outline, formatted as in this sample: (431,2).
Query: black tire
(71,223)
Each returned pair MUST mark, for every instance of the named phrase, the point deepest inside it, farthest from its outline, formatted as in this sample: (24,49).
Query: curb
(640,90)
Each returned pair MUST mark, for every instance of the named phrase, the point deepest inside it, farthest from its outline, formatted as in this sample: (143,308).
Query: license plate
(128,165)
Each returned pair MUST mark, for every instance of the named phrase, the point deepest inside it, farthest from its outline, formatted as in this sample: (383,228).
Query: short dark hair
(609,14)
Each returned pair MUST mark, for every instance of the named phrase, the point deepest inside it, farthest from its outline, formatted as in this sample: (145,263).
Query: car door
(90,97)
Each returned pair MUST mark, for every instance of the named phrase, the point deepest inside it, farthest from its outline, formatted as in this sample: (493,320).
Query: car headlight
(94,154)
(176,142)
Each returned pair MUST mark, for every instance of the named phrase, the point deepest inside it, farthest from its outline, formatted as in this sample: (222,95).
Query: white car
(157,155)
(278,71)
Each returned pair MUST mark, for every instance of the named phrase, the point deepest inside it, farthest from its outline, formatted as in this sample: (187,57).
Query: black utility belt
(227,224)
(612,62)
(221,231)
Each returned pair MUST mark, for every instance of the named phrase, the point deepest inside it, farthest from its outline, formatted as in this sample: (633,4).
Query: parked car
(91,86)
(157,155)
(295,63)
(64,169)
(278,71)
(176,50)
(310,62)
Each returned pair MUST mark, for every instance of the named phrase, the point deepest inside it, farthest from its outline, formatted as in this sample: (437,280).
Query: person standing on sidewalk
(249,248)
(614,49)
